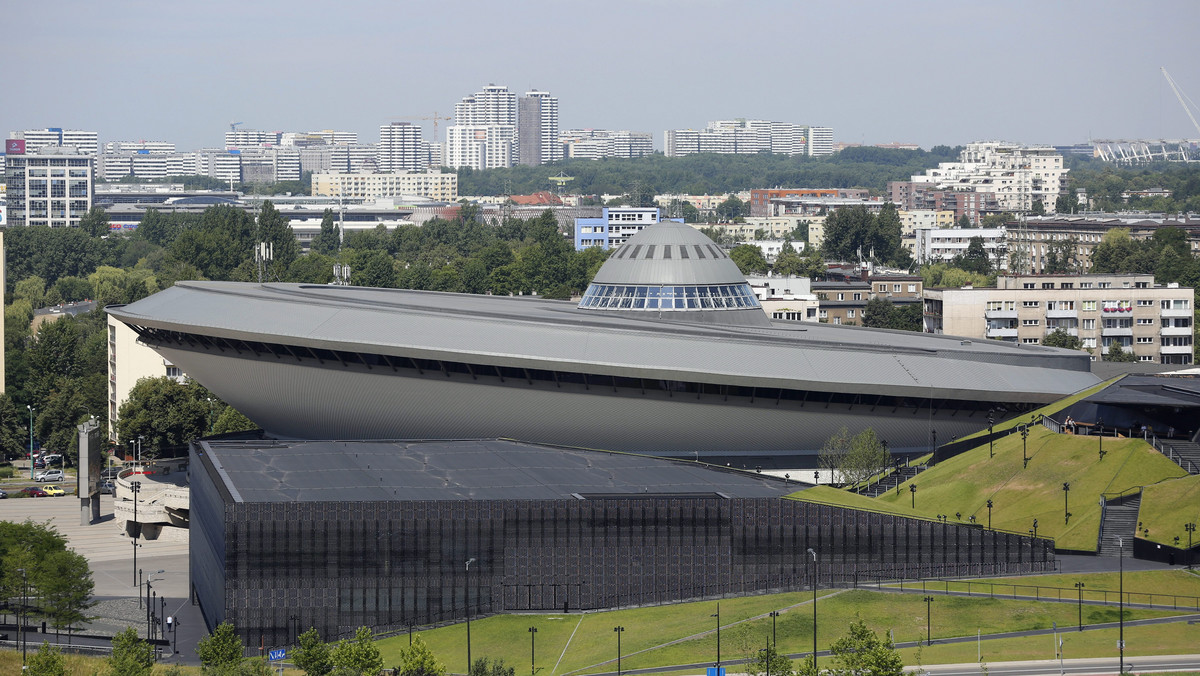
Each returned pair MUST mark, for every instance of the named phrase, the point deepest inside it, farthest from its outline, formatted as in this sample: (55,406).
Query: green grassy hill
(1167,506)
(961,486)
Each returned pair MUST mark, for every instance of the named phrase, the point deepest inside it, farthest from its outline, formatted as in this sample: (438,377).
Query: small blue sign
(278,654)
(716,671)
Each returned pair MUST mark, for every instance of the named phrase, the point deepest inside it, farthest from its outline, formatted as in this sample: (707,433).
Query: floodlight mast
(1181,96)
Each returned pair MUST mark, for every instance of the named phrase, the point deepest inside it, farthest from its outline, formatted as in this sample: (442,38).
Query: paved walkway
(110,553)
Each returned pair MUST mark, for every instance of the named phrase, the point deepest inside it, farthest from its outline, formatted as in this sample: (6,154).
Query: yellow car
(53,491)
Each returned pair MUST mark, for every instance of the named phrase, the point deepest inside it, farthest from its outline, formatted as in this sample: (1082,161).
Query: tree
(862,653)
(690,213)
(312,655)
(326,241)
(964,221)
(418,660)
(769,662)
(883,314)
(854,459)
(885,235)
(165,413)
(47,661)
(788,262)
(975,259)
(731,208)
(1038,209)
(131,656)
(1060,256)
(486,667)
(65,585)
(1065,203)
(232,420)
(850,234)
(749,259)
(1118,353)
(221,649)
(814,263)
(95,222)
(1060,338)
(359,655)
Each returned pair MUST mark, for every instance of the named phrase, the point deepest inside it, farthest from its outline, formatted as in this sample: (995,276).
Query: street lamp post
(467,603)
(1100,436)
(1025,445)
(21,628)
(1035,528)
(774,614)
(1121,603)
(814,586)
(928,616)
(991,422)
(1066,510)
(532,651)
(989,506)
(1079,586)
(136,486)
(1190,528)
(718,616)
(912,489)
(933,438)
(31,410)
(621,630)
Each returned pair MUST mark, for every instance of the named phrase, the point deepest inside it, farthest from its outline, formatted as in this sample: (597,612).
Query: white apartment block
(434,185)
(85,142)
(1154,322)
(53,186)
(494,105)
(151,147)
(250,138)
(614,226)
(128,362)
(1018,175)
(401,147)
(354,157)
(918,219)
(270,165)
(940,245)
(537,129)
(593,144)
(479,146)
(786,298)
(820,141)
(332,136)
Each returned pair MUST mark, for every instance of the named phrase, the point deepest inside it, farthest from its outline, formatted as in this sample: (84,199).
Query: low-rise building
(1155,322)
(1032,237)
(912,220)
(785,298)
(941,245)
(614,226)
(434,185)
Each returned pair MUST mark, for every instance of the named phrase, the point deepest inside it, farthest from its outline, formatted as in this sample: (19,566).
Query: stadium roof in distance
(488,469)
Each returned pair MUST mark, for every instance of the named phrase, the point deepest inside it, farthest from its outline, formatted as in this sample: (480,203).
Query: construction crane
(234,125)
(1181,96)
(435,117)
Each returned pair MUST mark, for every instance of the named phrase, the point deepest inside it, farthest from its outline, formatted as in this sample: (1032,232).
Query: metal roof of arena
(529,332)
(486,469)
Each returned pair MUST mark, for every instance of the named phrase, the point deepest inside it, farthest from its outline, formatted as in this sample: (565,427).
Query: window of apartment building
(1047,285)
(1029,285)
(1145,357)
(841,296)
(896,288)
(837,320)
(1145,321)
(1089,325)
(824,314)
(1030,341)
(912,288)
(1141,285)
(1104,285)
(1085,285)
(1030,322)
(1145,303)
(1089,343)
(1031,303)
(995,305)
(882,288)
(1088,305)
(1176,304)
(849,314)
(1067,285)
(1145,340)
(857,296)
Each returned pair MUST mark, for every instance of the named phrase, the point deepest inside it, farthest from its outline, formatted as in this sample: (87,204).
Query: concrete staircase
(892,480)
(1120,521)
(1185,453)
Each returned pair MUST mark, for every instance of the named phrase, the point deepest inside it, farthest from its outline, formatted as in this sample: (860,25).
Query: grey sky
(924,72)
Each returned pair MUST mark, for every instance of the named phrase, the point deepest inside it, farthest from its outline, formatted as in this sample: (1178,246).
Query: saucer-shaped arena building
(422,456)
(668,353)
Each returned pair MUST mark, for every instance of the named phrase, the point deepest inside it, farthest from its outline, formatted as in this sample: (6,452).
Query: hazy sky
(921,72)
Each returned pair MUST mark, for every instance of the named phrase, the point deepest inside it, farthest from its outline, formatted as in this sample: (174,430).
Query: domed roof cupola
(673,270)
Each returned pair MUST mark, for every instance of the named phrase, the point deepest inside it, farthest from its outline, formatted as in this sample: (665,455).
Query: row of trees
(42,577)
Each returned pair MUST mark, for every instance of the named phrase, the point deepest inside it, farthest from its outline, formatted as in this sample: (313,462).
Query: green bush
(7,472)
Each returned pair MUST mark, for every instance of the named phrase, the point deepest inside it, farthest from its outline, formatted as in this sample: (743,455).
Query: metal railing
(1041,593)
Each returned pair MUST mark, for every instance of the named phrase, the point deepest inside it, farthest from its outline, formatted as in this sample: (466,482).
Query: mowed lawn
(587,643)
(1167,507)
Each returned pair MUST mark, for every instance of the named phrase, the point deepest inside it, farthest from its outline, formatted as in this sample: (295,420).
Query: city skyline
(939,73)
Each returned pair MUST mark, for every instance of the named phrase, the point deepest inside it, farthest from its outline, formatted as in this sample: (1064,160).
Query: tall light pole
(1100,436)
(912,488)
(136,486)
(989,506)
(31,410)
(467,603)
(21,629)
(774,614)
(1066,510)
(1024,446)
(1121,603)
(621,630)
(928,616)
(991,422)
(814,586)
(1190,528)
(1079,586)
(718,616)
(533,654)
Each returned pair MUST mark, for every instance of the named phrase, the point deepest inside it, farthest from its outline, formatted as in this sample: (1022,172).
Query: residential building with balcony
(1033,236)
(52,186)
(1017,175)
(1155,322)
(614,226)
(941,245)
(434,185)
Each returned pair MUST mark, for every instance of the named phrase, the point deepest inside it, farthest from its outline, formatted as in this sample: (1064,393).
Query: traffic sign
(1120,645)
(278,654)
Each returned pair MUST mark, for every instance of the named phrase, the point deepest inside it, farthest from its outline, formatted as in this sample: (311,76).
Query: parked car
(50,475)
(34,492)
(107,487)
(53,491)
(3,494)
(110,473)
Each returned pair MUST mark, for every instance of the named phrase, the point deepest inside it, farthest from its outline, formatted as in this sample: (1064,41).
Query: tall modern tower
(494,105)
(485,126)
(537,129)
(401,147)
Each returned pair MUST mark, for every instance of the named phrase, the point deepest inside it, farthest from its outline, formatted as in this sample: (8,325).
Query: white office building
(85,142)
(941,245)
(401,147)
(479,146)
(820,141)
